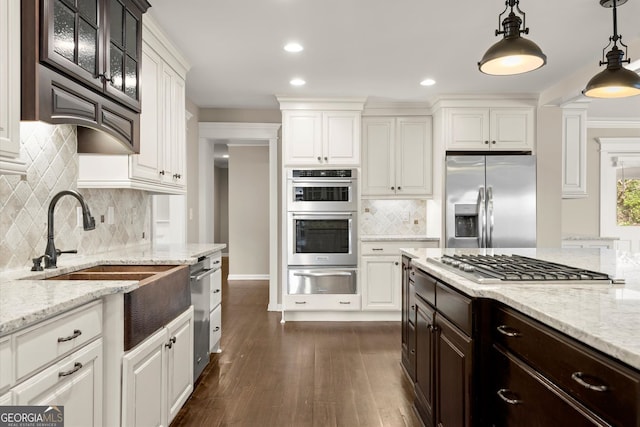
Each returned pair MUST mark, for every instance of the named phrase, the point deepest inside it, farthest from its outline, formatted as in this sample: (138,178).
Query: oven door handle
(322,214)
(323,181)
(203,273)
(337,273)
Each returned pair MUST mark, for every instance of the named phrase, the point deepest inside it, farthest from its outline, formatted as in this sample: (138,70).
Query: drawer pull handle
(509,332)
(76,367)
(578,377)
(301,302)
(171,342)
(413,307)
(502,394)
(216,329)
(215,291)
(76,334)
(345,302)
(377,249)
(413,351)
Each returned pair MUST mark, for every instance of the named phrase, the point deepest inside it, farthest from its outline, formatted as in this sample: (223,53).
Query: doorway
(240,134)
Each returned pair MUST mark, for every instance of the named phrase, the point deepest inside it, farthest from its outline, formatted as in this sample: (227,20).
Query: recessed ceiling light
(293,47)
(297,82)
(428,82)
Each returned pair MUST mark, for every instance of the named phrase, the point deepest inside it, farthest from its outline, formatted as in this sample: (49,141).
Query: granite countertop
(397,237)
(604,317)
(25,298)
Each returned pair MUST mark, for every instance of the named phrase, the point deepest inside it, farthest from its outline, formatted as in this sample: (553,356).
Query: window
(627,196)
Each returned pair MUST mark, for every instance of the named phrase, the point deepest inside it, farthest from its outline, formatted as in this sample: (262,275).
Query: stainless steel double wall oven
(322,226)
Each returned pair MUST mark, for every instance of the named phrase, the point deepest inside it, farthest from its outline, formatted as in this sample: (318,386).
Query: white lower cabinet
(75,382)
(6,399)
(6,361)
(157,374)
(215,329)
(381,264)
(381,283)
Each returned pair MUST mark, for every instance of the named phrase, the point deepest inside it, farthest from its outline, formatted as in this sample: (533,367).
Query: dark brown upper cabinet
(81,64)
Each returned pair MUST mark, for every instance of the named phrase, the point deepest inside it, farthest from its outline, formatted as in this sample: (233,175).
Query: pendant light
(513,54)
(615,81)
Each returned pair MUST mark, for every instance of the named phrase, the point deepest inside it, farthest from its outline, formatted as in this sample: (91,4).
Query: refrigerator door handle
(482,218)
(490,215)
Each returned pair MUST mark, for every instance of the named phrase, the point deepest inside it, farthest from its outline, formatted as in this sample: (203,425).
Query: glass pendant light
(615,81)
(513,54)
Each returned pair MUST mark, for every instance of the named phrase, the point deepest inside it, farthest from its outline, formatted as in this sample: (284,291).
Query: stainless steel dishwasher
(200,277)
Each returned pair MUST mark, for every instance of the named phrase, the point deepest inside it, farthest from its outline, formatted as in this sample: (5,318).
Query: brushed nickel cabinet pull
(345,302)
(76,334)
(502,394)
(509,332)
(301,302)
(377,249)
(76,367)
(578,377)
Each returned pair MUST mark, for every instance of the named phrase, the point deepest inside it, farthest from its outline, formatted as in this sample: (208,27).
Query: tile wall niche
(393,217)
(52,166)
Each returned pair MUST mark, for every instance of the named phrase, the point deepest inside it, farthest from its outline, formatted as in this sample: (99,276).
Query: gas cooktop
(495,269)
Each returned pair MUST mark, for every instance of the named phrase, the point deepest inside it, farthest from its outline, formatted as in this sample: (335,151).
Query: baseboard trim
(342,316)
(274,307)
(231,277)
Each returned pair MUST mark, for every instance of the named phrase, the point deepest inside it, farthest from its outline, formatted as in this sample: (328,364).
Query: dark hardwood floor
(299,373)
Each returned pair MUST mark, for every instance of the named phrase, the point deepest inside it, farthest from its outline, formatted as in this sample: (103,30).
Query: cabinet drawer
(45,342)
(603,385)
(521,398)
(393,248)
(216,289)
(425,285)
(455,307)
(215,326)
(335,302)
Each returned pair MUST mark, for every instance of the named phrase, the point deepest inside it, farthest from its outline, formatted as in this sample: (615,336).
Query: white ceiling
(382,49)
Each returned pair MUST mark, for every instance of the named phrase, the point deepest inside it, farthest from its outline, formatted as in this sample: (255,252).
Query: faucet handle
(37,262)
(72,251)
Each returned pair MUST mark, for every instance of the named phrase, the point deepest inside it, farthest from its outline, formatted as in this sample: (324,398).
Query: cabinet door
(123,51)
(179,141)
(381,283)
(71,41)
(75,383)
(179,362)
(467,129)
(512,129)
(453,364)
(146,165)
(302,137)
(341,138)
(413,148)
(9,80)
(378,166)
(425,361)
(6,399)
(144,388)
(6,361)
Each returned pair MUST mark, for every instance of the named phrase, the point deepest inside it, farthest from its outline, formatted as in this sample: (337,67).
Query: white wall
(549,180)
(249,212)
(582,216)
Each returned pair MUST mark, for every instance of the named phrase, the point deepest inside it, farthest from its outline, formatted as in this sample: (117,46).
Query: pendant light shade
(513,54)
(615,81)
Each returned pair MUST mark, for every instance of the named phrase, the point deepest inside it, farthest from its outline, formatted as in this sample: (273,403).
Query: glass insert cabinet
(97,42)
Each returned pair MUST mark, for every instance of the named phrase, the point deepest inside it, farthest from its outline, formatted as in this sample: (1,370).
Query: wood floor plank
(300,374)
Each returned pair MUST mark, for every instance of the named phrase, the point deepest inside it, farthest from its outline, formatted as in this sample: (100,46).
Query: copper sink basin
(163,293)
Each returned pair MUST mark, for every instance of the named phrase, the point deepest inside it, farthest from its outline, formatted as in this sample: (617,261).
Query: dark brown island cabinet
(81,64)
(477,362)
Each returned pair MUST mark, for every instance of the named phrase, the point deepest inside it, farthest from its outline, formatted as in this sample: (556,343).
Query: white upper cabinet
(574,150)
(10,162)
(160,165)
(498,129)
(397,156)
(321,132)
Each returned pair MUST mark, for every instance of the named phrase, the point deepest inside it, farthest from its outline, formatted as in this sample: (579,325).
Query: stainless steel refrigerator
(490,201)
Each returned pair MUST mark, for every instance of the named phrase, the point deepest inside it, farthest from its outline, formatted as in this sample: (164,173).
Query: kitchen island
(524,353)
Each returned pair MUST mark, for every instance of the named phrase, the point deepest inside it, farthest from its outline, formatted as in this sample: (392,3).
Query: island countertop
(26,298)
(605,317)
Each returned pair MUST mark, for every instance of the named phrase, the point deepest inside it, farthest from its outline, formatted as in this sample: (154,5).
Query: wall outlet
(405,216)
(415,221)
(102,219)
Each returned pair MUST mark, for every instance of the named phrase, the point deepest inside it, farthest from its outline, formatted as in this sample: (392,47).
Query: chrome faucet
(88,223)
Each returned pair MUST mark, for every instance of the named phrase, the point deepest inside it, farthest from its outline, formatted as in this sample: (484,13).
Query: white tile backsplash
(393,217)
(52,166)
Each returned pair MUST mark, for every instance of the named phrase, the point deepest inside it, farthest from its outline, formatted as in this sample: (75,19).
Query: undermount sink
(163,293)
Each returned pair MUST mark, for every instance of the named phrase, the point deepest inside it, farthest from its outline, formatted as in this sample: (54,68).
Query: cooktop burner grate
(517,268)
